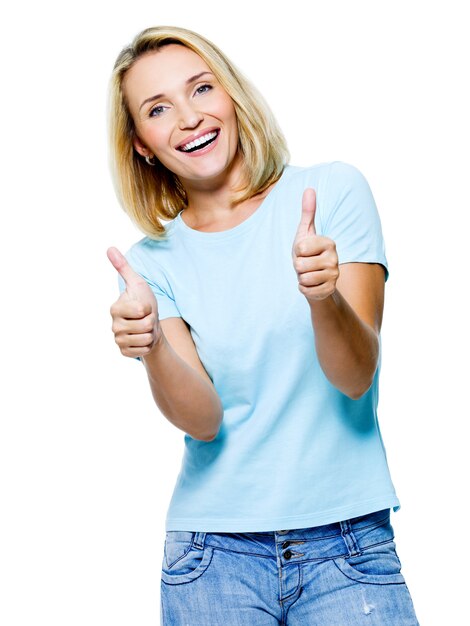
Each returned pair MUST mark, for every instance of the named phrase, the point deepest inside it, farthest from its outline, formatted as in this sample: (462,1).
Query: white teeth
(198,141)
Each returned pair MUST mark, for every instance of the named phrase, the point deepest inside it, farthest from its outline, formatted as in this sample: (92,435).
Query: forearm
(182,395)
(347,347)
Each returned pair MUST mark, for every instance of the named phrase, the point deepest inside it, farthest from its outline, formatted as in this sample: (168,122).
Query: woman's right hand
(135,326)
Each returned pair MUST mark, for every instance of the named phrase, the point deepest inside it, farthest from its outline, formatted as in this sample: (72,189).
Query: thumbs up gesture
(314,257)
(135,313)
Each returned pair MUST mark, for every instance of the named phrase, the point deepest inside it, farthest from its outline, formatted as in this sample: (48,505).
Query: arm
(347,325)
(181,387)
(346,307)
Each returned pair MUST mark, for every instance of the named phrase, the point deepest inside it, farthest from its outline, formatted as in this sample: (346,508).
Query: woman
(256,310)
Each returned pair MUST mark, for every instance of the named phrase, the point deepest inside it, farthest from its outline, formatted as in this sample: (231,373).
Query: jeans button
(282,532)
(287,554)
(285,545)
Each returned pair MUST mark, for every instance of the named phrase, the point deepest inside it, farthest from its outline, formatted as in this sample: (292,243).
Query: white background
(87,462)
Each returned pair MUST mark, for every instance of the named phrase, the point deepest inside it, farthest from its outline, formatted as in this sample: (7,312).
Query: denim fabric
(341,574)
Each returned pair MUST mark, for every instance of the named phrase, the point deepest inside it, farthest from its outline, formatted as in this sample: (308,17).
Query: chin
(206,171)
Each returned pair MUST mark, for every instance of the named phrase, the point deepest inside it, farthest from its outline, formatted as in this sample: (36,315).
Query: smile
(200,142)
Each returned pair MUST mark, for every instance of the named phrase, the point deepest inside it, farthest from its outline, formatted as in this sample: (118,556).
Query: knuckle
(149,325)
(147,339)
(298,249)
(143,339)
(139,310)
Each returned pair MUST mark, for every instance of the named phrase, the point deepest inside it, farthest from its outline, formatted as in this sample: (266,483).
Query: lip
(201,133)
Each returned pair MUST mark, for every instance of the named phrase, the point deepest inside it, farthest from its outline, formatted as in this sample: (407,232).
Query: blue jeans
(341,574)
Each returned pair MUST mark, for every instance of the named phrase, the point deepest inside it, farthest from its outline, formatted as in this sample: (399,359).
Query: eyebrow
(162,95)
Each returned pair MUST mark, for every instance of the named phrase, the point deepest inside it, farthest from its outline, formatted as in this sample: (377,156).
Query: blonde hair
(151,193)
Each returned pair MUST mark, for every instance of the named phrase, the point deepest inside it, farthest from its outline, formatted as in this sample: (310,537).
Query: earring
(147,158)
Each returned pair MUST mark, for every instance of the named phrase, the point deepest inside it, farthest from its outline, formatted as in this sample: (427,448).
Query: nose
(189,116)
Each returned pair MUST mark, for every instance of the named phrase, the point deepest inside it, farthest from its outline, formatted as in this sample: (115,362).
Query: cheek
(223,107)
(157,138)
(230,115)
(158,133)
(230,110)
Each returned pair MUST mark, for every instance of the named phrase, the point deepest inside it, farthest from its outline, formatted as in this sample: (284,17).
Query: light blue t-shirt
(292,451)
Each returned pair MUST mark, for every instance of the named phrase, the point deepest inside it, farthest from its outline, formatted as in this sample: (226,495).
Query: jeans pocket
(183,562)
(377,565)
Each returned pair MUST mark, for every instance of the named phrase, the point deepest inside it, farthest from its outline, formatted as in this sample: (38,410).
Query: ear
(140,147)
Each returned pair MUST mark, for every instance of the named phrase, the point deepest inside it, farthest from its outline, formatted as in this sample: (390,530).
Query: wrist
(158,344)
(332,299)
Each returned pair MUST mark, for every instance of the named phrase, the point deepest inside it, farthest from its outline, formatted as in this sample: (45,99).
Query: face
(182,114)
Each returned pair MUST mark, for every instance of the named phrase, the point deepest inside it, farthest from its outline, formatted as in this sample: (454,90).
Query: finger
(307,220)
(120,263)
(134,325)
(303,264)
(312,246)
(135,352)
(314,279)
(140,340)
(130,309)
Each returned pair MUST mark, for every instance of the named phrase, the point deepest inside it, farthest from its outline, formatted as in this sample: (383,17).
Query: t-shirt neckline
(247,224)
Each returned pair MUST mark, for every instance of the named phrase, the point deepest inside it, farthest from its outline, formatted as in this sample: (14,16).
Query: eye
(205,88)
(156,111)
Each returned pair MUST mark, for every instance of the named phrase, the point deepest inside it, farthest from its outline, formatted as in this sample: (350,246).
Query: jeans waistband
(344,538)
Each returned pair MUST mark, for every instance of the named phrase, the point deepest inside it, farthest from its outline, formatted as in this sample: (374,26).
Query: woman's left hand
(314,257)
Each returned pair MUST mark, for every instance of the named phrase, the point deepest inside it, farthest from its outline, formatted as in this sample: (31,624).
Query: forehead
(162,70)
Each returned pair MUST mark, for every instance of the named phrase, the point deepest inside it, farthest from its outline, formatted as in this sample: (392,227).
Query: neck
(209,200)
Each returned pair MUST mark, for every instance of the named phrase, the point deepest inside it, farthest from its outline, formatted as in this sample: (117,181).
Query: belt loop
(198,540)
(349,538)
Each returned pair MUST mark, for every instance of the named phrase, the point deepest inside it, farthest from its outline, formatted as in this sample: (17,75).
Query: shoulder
(343,175)
(332,181)
(148,250)
(328,173)
(298,173)
(138,250)
(344,188)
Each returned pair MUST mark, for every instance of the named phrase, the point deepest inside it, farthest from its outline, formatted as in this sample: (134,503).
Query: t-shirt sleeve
(156,279)
(350,217)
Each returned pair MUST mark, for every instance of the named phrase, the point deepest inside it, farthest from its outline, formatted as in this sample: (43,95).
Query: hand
(135,313)
(314,257)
